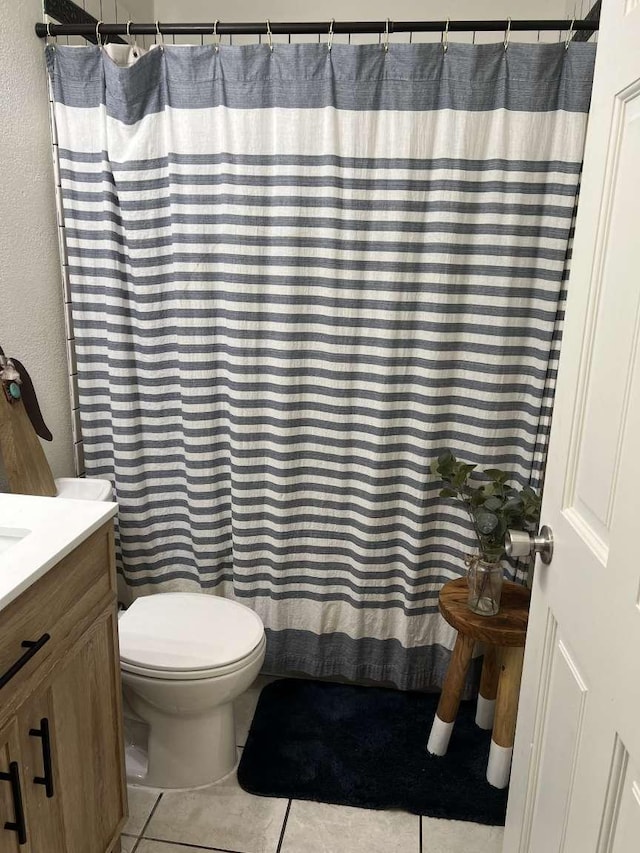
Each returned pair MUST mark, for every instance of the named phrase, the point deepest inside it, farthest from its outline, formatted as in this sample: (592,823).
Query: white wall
(31,307)
(579,8)
(353,10)
(117,11)
(32,323)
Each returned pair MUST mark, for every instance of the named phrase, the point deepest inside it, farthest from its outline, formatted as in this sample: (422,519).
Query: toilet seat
(194,674)
(188,636)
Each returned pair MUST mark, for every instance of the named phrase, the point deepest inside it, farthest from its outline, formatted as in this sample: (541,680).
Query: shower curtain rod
(88,30)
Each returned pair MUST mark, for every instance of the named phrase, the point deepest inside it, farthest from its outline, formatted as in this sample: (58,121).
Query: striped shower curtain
(296,276)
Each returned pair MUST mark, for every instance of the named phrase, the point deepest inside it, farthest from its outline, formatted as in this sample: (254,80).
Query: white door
(575,783)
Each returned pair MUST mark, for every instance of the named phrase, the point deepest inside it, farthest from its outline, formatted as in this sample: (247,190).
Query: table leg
(504,727)
(488,688)
(451,692)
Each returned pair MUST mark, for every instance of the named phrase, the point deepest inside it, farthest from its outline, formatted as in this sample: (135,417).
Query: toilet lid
(187,631)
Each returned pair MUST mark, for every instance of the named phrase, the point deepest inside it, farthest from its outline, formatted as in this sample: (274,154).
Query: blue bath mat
(366,747)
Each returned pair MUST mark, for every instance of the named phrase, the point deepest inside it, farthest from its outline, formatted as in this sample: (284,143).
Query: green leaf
(460,476)
(448,493)
(492,553)
(486,521)
(446,458)
(500,530)
(497,475)
(493,504)
(513,504)
(475,497)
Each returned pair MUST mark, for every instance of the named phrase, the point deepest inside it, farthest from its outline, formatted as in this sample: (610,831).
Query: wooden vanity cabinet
(62,781)
(9,784)
(41,807)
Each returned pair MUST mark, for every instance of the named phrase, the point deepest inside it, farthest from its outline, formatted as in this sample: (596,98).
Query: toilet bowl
(184,658)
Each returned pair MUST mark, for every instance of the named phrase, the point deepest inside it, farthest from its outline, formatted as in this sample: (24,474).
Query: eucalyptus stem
(463,499)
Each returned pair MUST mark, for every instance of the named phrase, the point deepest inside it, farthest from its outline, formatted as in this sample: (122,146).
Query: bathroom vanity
(62,780)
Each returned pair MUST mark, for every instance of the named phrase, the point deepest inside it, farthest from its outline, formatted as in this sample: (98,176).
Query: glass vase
(485,586)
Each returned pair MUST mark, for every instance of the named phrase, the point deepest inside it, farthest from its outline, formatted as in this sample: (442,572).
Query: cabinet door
(14,835)
(88,735)
(41,781)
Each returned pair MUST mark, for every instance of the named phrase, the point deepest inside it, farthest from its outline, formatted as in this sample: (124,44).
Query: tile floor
(225,818)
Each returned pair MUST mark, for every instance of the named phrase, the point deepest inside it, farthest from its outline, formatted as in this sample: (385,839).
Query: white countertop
(55,527)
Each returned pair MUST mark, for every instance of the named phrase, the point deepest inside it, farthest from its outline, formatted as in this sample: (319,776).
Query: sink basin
(11,536)
(36,532)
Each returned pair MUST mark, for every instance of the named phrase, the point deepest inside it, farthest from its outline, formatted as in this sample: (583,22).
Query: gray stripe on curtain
(544,167)
(282,315)
(534,78)
(294,648)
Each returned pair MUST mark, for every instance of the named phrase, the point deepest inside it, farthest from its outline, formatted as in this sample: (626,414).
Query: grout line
(146,823)
(186,844)
(284,826)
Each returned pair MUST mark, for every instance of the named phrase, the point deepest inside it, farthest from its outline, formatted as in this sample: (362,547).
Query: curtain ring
(159,34)
(216,36)
(269,35)
(134,46)
(49,36)
(444,38)
(330,39)
(569,34)
(98,39)
(386,36)
(507,34)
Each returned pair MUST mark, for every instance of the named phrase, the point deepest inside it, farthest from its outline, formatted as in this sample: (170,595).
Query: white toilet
(184,658)
(84,488)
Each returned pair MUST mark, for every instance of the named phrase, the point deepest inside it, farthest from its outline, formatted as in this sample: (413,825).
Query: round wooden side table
(503,636)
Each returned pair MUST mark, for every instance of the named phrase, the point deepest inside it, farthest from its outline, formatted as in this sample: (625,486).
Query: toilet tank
(84,489)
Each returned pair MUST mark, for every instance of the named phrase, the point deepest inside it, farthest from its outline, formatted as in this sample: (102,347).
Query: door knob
(521,543)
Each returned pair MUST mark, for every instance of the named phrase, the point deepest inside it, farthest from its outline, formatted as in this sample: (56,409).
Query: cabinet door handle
(32,647)
(47,778)
(18,825)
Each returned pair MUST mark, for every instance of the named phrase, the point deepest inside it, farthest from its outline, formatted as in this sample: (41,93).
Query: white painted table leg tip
(499,765)
(439,738)
(485,712)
